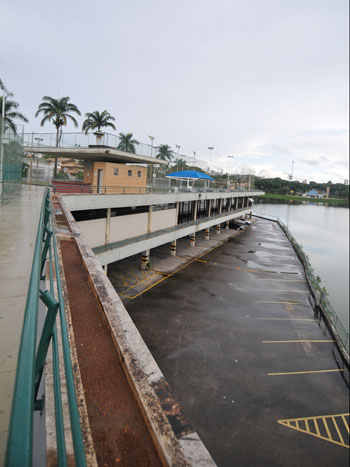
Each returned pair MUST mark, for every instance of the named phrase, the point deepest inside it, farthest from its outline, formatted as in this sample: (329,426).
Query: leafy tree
(59,111)
(165,153)
(11,113)
(127,143)
(97,120)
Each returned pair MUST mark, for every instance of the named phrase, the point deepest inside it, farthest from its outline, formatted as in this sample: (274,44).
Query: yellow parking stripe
(303,372)
(290,319)
(284,303)
(302,341)
(283,290)
(325,419)
(282,280)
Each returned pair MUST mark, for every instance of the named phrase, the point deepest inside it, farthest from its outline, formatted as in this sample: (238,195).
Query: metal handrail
(324,302)
(32,357)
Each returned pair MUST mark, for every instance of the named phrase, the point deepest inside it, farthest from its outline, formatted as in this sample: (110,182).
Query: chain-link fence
(320,293)
(11,160)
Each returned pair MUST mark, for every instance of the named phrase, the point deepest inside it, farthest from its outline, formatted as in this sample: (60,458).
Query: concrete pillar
(145,259)
(250,215)
(195,210)
(173,248)
(193,239)
(177,213)
(218,229)
(209,210)
(220,205)
(229,204)
(227,225)
(149,220)
(108,226)
(207,234)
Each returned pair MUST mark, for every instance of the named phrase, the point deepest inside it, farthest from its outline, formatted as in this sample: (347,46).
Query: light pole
(4,90)
(152,138)
(178,151)
(210,150)
(194,158)
(228,173)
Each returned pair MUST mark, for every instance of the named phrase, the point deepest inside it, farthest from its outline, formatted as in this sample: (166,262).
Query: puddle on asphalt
(273,245)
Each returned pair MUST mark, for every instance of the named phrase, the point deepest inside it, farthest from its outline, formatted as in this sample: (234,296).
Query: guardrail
(29,393)
(83,188)
(315,283)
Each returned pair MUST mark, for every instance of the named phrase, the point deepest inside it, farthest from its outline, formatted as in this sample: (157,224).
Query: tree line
(284,187)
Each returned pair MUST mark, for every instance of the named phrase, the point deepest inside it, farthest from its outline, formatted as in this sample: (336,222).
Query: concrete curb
(177,443)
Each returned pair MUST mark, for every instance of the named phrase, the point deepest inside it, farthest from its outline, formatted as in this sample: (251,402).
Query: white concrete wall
(163,219)
(123,227)
(94,231)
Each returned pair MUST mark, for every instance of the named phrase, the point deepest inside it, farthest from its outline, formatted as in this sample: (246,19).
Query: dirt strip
(118,428)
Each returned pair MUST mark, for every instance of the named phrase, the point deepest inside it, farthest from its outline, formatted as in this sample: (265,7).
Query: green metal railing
(27,399)
(326,306)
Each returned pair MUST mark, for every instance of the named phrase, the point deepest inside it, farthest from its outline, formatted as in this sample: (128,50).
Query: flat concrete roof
(94,153)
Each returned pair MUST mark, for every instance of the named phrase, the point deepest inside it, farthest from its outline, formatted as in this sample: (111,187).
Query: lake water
(323,232)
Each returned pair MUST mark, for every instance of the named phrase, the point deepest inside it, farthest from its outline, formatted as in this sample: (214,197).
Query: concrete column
(218,229)
(195,210)
(207,234)
(177,213)
(209,210)
(193,239)
(173,248)
(108,226)
(229,204)
(149,220)
(227,225)
(220,205)
(250,215)
(145,259)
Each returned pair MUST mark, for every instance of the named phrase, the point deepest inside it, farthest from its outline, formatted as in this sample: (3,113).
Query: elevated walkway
(19,216)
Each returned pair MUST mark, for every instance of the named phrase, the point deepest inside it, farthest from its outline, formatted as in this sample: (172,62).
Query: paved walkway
(19,216)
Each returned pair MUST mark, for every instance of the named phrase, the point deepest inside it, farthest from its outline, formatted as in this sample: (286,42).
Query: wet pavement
(238,341)
(19,217)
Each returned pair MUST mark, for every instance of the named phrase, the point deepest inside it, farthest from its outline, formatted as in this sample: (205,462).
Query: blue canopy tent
(189,175)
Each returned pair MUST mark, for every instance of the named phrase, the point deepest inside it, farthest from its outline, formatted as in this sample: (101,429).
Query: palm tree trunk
(57,140)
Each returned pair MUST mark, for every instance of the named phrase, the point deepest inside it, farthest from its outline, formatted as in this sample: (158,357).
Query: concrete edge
(90,454)
(175,439)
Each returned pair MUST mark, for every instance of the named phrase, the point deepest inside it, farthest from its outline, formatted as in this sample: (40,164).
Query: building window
(139,173)
(116,171)
(129,173)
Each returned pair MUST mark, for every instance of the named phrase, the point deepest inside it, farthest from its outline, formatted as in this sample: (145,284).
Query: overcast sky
(263,80)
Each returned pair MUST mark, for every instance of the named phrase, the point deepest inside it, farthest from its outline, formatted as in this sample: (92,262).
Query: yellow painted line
(345,422)
(337,428)
(326,426)
(303,372)
(294,424)
(283,290)
(176,271)
(290,319)
(201,260)
(137,283)
(285,303)
(296,341)
(282,280)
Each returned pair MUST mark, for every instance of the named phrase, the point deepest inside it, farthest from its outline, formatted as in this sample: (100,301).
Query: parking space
(239,342)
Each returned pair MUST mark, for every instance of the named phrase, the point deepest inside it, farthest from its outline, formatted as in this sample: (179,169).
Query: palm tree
(97,120)
(57,110)
(11,113)
(165,153)
(127,144)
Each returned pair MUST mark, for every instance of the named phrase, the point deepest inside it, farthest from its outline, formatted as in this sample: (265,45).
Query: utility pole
(4,90)
(210,150)
(178,151)
(228,173)
(152,138)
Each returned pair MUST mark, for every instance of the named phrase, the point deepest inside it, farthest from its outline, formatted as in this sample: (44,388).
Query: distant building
(313,194)
(346,182)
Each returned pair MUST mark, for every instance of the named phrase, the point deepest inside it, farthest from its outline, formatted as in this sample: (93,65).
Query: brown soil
(119,432)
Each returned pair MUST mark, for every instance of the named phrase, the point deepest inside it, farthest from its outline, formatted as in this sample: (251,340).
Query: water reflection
(323,231)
